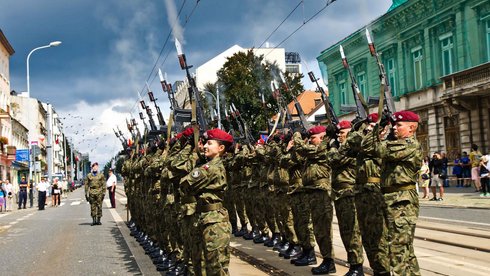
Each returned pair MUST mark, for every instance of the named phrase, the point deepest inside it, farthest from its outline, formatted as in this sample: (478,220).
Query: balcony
(474,81)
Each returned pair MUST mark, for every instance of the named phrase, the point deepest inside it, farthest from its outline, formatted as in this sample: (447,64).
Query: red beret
(260,141)
(188,132)
(178,135)
(406,116)
(373,117)
(317,130)
(218,134)
(344,124)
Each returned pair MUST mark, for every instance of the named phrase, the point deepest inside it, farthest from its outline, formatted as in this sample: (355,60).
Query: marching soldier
(401,159)
(94,193)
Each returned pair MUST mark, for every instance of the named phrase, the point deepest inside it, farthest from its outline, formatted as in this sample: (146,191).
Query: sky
(111,48)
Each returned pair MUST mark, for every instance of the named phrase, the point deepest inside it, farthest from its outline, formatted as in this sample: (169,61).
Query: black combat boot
(276,238)
(94,221)
(98,221)
(355,270)
(281,245)
(293,252)
(242,232)
(179,269)
(252,234)
(234,229)
(308,258)
(326,267)
(262,238)
(283,248)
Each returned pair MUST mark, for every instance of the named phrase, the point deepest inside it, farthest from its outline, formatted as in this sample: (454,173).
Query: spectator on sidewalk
(3,194)
(9,188)
(436,165)
(111,187)
(42,187)
(465,161)
(475,156)
(55,191)
(23,193)
(458,171)
(484,176)
(445,161)
(424,179)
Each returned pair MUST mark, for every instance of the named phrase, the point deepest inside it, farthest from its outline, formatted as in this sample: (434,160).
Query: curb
(453,206)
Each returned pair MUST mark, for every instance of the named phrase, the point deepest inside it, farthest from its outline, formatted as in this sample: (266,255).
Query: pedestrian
(9,188)
(23,193)
(207,183)
(445,161)
(425,177)
(466,172)
(94,193)
(436,165)
(111,187)
(56,192)
(484,176)
(42,186)
(475,156)
(3,194)
(458,171)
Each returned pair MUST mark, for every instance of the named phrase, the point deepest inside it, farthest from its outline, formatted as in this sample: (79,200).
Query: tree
(245,79)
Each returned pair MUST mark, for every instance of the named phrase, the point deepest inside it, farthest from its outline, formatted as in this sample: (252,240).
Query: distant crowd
(467,171)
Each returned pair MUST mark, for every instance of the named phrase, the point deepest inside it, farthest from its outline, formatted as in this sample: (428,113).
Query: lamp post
(216,100)
(52,44)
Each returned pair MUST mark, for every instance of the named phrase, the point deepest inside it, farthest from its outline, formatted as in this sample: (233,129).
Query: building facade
(436,56)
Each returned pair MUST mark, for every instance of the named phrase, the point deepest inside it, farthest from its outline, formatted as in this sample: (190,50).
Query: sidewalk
(458,197)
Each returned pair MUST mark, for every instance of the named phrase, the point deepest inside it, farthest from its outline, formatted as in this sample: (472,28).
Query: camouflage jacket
(94,184)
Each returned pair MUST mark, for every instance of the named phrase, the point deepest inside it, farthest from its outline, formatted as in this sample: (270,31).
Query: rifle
(153,126)
(161,121)
(134,125)
(242,125)
(361,105)
(167,88)
(385,89)
(121,138)
(198,121)
(303,123)
(330,112)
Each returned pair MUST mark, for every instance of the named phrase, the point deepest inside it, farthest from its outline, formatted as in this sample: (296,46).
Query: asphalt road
(458,215)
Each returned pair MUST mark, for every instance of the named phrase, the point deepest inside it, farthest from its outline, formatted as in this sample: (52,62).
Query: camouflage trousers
(402,211)
(229,204)
(285,217)
(239,201)
(96,205)
(302,221)
(345,209)
(250,199)
(319,206)
(212,245)
(370,205)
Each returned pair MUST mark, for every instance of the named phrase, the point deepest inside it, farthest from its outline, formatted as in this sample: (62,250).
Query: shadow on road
(124,251)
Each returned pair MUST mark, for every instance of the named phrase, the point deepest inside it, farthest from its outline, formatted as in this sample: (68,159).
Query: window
(488,39)
(447,53)
(417,67)
(391,75)
(343,95)
(361,82)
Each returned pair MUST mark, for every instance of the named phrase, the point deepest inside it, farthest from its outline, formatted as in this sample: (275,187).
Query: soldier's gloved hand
(385,119)
(357,123)
(332,131)
(334,143)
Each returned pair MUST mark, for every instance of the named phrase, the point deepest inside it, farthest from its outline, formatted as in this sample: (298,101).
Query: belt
(341,186)
(393,189)
(373,180)
(209,207)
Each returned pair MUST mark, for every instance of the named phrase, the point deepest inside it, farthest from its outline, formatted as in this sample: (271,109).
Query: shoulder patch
(196,174)
(206,167)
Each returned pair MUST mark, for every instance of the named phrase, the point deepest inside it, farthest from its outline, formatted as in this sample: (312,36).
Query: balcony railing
(467,78)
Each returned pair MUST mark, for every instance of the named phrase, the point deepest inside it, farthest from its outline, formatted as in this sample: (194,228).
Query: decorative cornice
(6,44)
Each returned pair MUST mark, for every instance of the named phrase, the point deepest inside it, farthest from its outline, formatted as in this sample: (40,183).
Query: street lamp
(216,101)
(52,44)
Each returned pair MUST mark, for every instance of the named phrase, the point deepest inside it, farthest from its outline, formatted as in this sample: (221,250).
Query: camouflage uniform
(317,188)
(400,166)
(94,193)
(344,170)
(208,184)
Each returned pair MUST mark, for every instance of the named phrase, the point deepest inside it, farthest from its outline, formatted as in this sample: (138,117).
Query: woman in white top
(10,195)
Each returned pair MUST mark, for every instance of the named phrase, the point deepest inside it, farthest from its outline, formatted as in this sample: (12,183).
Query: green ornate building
(436,55)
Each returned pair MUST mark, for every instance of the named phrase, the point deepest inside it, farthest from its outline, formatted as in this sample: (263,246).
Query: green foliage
(244,79)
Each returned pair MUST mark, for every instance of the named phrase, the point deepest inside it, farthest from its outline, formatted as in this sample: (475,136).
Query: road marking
(455,220)
(113,211)
(75,203)
(442,261)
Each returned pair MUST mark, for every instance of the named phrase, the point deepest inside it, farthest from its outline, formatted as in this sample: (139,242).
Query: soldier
(343,166)
(401,161)
(318,188)
(94,193)
(207,183)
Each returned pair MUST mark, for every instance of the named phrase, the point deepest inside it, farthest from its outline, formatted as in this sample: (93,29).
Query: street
(449,241)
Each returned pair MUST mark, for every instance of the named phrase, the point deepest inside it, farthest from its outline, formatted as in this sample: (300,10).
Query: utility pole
(49,146)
